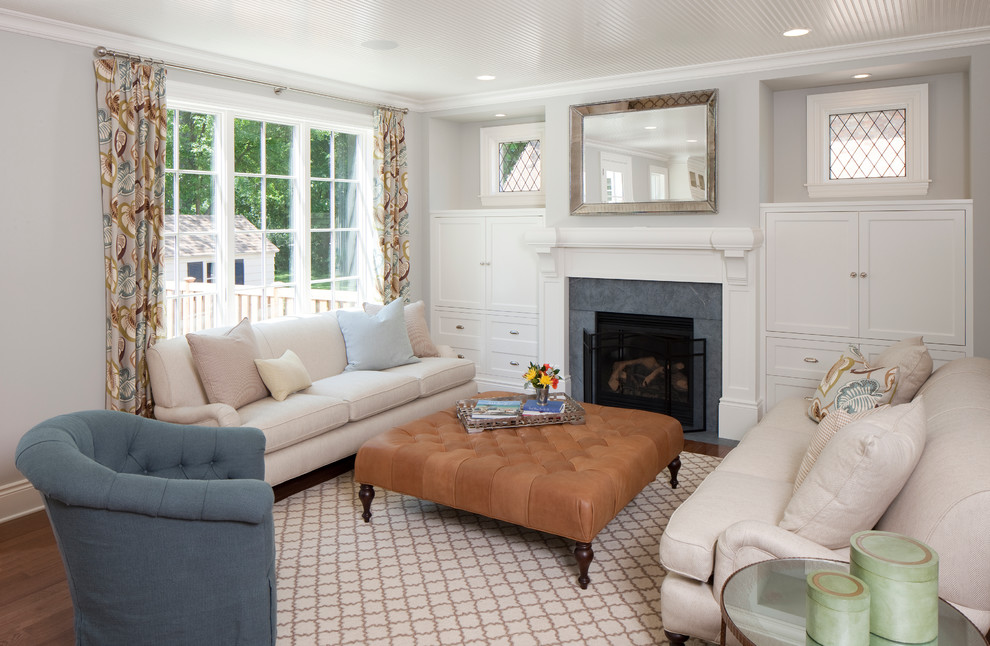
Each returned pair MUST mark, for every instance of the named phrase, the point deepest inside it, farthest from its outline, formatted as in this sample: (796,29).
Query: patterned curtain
(391,200)
(133,130)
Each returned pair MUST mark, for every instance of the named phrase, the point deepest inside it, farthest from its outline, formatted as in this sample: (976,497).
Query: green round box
(903,577)
(838,609)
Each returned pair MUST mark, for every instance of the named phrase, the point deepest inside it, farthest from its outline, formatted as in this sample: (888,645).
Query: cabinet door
(812,273)
(459,262)
(913,275)
(513,274)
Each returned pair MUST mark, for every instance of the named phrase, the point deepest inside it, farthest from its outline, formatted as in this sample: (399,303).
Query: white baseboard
(18,499)
(735,417)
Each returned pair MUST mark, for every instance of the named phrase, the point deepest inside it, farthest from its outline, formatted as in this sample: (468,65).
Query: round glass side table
(764,604)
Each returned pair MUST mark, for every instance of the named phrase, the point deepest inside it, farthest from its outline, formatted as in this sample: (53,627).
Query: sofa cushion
(852,385)
(368,392)
(774,448)
(914,366)
(687,545)
(416,327)
(376,342)
(436,374)
(824,432)
(296,419)
(226,365)
(316,340)
(857,475)
(283,376)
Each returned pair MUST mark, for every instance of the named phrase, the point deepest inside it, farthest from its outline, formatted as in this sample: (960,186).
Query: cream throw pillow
(826,429)
(419,332)
(285,375)
(914,366)
(853,386)
(859,473)
(225,364)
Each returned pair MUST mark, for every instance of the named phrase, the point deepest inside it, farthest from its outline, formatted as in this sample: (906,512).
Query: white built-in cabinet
(485,290)
(867,274)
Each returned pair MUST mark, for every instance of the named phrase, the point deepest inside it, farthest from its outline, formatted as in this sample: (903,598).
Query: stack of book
(552,407)
(495,409)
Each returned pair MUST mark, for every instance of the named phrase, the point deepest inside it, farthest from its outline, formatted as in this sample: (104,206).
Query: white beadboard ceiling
(444,44)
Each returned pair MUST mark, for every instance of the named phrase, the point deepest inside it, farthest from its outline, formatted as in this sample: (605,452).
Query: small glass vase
(542,394)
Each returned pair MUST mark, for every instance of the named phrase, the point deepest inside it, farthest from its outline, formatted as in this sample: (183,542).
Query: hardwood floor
(35,607)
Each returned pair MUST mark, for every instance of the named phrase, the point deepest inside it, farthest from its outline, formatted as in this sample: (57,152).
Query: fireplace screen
(647,362)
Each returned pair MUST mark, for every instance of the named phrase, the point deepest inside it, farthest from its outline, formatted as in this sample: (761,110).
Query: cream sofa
(328,420)
(731,520)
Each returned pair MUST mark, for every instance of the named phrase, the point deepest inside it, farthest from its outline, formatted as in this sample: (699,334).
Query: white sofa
(328,420)
(731,520)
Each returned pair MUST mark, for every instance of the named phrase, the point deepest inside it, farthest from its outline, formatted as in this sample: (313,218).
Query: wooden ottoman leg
(675,638)
(367,494)
(674,467)
(584,555)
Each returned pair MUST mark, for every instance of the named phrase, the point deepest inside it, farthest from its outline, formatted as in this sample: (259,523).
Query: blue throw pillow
(376,342)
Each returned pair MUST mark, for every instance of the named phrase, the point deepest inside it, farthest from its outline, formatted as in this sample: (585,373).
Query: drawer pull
(513,363)
(513,331)
(808,398)
(459,327)
(810,360)
(461,356)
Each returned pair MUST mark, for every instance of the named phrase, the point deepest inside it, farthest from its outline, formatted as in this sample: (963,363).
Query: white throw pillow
(225,364)
(285,375)
(853,386)
(914,366)
(826,429)
(418,330)
(376,342)
(858,474)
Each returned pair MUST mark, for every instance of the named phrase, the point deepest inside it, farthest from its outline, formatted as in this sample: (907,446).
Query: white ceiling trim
(29,25)
(776,62)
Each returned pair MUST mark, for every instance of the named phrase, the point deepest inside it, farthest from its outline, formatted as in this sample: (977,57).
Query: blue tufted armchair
(165,530)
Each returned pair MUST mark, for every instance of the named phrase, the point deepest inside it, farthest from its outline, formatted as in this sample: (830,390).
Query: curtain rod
(101,52)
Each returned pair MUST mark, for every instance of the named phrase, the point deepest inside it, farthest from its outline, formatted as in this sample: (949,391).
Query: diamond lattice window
(519,166)
(864,145)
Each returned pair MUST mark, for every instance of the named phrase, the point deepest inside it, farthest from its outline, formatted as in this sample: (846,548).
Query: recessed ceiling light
(499,114)
(380,44)
(691,141)
(862,76)
(800,31)
(649,127)
(485,77)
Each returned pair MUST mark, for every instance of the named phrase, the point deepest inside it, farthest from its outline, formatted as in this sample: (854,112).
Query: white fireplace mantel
(683,254)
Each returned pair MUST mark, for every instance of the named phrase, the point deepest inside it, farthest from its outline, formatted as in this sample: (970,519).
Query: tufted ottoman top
(565,479)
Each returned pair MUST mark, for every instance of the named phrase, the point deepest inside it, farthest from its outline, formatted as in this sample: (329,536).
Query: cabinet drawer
(780,388)
(459,330)
(469,353)
(800,358)
(514,330)
(508,364)
(939,357)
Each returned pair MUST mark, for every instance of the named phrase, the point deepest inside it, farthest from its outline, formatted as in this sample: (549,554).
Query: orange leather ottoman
(564,479)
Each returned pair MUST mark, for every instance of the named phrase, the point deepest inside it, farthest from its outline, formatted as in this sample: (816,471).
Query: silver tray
(573,413)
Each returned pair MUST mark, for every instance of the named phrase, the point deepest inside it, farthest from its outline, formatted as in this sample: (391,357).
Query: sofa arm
(206,415)
(751,541)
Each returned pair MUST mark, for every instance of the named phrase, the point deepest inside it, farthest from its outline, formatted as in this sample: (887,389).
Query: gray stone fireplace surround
(699,301)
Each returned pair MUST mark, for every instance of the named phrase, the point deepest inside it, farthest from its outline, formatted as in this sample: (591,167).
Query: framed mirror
(652,154)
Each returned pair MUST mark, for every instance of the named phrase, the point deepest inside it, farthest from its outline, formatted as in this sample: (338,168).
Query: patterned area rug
(421,573)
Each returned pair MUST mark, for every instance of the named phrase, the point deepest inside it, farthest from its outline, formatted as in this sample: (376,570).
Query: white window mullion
(301,222)
(225,216)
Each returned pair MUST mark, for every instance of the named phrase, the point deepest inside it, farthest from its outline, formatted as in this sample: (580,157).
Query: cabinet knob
(852,274)
(513,331)
(513,363)
(862,275)
(482,263)
(459,327)
(460,356)
(810,360)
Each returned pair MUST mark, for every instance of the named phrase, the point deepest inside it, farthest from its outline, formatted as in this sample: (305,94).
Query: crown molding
(20,23)
(760,64)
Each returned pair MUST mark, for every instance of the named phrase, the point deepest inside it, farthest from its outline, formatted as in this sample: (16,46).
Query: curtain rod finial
(279,90)
(100,51)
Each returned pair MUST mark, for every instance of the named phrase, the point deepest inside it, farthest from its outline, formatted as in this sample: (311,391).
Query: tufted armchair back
(165,530)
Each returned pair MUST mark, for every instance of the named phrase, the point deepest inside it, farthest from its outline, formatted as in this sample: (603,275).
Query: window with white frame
(868,143)
(511,165)
(266,213)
